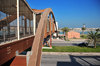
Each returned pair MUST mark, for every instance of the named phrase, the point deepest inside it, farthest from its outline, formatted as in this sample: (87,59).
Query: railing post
(3,34)
(29,27)
(34,23)
(25,26)
(8,27)
(18,36)
(22,25)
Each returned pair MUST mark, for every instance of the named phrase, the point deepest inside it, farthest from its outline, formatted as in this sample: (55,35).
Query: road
(70,60)
(59,42)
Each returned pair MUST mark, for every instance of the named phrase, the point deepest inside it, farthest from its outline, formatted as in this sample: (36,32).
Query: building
(72,34)
(56,29)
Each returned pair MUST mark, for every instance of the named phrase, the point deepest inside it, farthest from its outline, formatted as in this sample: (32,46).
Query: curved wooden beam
(35,58)
(38,11)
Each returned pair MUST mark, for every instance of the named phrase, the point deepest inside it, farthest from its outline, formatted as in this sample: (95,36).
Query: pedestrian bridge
(22,27)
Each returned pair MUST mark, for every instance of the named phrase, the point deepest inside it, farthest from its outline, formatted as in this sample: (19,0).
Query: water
(84,32)
(61,33)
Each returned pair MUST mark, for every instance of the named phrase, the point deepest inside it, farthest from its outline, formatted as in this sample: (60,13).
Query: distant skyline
(72,13)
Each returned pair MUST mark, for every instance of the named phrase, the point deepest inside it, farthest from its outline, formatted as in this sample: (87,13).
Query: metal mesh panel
(8,20)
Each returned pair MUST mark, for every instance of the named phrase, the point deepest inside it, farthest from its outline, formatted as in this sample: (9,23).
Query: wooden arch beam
(35,58)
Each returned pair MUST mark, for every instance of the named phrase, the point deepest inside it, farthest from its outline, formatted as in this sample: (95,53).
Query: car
(84,44)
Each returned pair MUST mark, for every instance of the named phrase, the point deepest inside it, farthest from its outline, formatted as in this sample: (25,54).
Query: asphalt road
(70,60)
(66,43)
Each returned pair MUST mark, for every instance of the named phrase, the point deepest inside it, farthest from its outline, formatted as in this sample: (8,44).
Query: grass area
(84,36)
(72,49)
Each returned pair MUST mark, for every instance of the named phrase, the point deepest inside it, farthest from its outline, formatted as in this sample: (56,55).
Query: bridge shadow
(81,61)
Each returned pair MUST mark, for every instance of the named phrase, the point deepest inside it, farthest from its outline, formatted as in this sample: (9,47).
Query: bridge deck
(19,61)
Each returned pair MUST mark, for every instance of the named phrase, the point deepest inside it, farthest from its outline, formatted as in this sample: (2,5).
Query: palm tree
(65,30)
(94,36)
(83,28)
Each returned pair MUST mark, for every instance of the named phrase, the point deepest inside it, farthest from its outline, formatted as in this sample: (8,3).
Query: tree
(65,30)
(94,36)
(83,28)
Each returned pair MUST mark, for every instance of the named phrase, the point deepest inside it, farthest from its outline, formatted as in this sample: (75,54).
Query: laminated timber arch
(35,58)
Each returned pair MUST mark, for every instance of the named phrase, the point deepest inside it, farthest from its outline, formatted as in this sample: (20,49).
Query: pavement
(70,60)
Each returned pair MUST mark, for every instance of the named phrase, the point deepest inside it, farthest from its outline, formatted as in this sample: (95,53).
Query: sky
(72,13)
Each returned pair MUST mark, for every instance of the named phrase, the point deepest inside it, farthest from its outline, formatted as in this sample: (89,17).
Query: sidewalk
(71,53)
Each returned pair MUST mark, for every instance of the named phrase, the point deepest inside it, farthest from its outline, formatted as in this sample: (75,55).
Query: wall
(73,34)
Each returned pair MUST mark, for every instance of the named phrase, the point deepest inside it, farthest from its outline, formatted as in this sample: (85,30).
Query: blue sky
(72,13)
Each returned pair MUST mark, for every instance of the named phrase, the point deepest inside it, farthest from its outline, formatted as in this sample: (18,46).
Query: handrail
(35,58)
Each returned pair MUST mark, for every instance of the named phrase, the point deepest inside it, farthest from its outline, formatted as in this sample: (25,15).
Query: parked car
(84,44)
